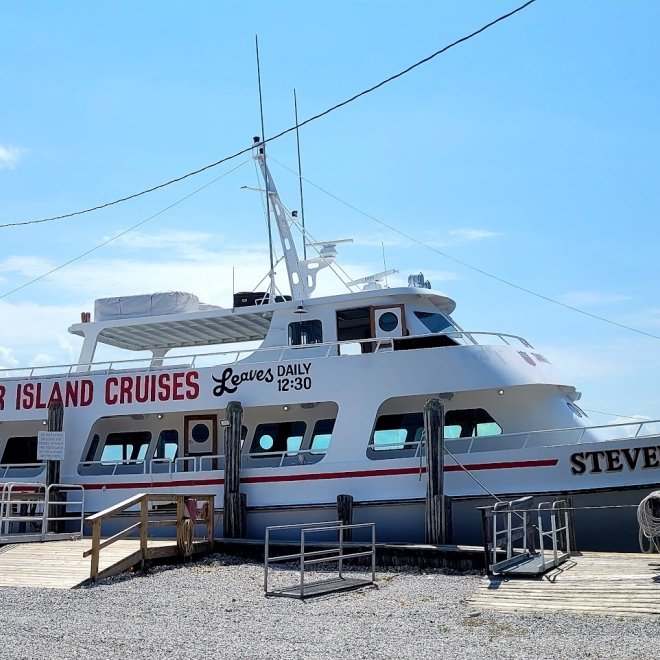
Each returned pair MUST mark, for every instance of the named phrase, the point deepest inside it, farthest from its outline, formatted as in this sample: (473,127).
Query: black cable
(279,135)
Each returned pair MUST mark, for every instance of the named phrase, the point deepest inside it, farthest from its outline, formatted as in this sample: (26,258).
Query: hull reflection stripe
(505,465)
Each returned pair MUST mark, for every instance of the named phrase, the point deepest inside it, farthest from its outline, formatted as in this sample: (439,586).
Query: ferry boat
(332,395)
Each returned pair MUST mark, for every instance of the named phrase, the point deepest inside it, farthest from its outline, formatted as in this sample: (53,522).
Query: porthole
(266,442)
(200,433)
(388,322)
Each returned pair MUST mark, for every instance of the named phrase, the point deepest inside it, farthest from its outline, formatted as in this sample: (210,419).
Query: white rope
(649,524)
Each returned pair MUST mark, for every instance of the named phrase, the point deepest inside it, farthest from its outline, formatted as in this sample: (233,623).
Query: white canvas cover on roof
(154,304)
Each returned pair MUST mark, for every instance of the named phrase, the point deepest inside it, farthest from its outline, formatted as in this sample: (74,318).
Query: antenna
(263,148)
(300,179)
(382,244)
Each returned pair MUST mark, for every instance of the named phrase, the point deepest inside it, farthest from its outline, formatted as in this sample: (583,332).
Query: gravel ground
(216,608)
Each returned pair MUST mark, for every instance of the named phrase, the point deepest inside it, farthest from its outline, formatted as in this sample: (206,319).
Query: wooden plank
(611,584)
(60,564)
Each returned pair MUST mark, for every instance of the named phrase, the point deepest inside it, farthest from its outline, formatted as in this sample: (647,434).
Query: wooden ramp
(614,584)
(60,564)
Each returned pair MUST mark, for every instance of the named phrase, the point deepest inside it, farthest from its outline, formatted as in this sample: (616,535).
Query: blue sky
(531,152)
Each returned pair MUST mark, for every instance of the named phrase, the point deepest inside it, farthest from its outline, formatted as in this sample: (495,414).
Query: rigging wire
(297,126)
(122,233)
(470,266)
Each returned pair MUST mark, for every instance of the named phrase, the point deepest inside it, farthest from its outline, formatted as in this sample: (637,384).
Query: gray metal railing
(307,557)
(29,510)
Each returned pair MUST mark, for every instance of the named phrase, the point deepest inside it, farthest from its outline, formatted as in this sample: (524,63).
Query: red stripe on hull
(506,465)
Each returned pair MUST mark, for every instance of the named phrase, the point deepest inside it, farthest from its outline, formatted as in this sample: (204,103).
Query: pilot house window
(302,333)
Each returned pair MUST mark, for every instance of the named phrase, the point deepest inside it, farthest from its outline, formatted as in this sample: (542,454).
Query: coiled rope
(649,523)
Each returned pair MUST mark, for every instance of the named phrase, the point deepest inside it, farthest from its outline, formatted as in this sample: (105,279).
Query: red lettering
(40,403)
(152,389)
(142,389)
(178,385)
(28,396)
(86,392)
(164,387)
(71,393)
(193,385)
(125,394)
(3,391)
(19,387)
(55,394)
(110,395)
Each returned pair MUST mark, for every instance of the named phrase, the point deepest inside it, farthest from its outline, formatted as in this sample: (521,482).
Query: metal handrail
(151,364)
(42,497)
(319,556)
(5,467)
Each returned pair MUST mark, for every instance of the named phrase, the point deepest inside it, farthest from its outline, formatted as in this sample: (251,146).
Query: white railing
(228,358)
(208,462)
(35,507)
(608,433)
(38,468)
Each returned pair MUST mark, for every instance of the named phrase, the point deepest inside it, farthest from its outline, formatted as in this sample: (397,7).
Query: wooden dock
(60,564)
(613,584)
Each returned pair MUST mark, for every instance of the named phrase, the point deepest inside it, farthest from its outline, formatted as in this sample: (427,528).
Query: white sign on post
(50,446)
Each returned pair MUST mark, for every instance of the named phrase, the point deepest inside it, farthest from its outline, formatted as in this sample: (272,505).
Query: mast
(297,281)
(271,273)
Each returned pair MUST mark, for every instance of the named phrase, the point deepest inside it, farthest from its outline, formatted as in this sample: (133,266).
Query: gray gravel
(216,608)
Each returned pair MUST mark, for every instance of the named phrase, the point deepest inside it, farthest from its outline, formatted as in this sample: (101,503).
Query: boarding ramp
(533,539)
(34,512)
(335,552)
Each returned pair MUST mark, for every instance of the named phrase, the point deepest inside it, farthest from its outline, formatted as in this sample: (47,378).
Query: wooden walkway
(60,564)
(614,584)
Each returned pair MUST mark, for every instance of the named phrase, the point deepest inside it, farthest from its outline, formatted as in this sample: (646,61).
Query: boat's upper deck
(217,326)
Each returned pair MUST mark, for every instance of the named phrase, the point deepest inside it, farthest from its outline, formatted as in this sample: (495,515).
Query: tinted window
(167,445)
(20,450)
(131,446)
(278,437)
(305,332)
(435,322)
(322,435)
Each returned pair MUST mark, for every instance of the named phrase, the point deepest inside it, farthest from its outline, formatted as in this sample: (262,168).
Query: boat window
(435,322)
(576,410)
(130,446)
(474,422)
(394,431)
(20,450)
(402,432)
(302,333)
(167,445)
(354,324)
(285,437)
(322,435)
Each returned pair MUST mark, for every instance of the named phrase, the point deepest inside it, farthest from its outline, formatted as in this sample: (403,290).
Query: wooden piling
(234,520)
(434,431)
(345,514)
(55,423)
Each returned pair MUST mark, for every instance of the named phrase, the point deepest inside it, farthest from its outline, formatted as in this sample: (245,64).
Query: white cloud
(468,234)
(9,157)
(586,298)
(7,359)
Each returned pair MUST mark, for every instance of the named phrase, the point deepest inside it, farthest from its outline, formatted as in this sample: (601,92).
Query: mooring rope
(649,524)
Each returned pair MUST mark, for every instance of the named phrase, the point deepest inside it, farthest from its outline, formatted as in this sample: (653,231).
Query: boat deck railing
(539,438)
(35,512)
(271,354)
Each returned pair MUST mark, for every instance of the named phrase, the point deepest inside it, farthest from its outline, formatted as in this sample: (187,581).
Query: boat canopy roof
(212,326)
(203,328)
